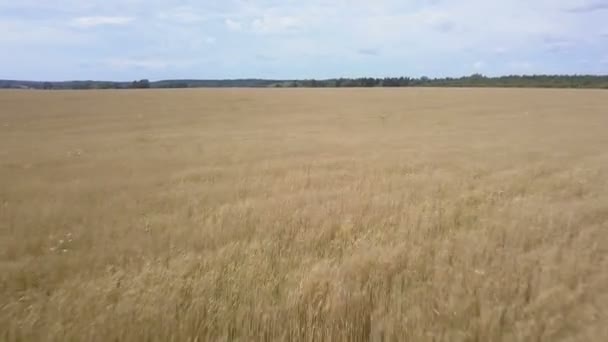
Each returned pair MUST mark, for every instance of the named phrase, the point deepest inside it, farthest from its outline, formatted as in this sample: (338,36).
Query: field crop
(304,214)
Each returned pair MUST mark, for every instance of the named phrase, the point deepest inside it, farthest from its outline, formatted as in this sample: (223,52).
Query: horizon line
(305,79)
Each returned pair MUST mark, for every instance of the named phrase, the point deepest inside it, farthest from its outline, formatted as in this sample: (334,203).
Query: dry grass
(405,214)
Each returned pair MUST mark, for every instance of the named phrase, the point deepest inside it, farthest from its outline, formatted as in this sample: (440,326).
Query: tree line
(475,80)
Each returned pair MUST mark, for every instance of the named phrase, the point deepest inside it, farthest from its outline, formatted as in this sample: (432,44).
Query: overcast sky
(159,39)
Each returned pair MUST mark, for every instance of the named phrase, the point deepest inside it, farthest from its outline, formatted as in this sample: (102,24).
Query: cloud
(368,52)
(233,25)
(445,26)
(437,20)
(315,37)
(127,63)
(275,24)
(557,44)
(182,17)
(264,58)
(185,15)
(265,24)
(520,66)
(479,65)
(87,22)
(441,23)
(590,7)
(20,33)
(500,50)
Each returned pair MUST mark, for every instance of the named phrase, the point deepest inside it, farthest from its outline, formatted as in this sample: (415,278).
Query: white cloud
(500,50)
(19,33)
(87,22)
(558,44)
(233,25)
(520,66)
(433,37)
(275,24)
(184,14)
(127,63)
(368,51)
(436,20)
(590,6)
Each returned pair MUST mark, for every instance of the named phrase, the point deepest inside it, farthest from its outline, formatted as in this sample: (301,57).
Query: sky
(124,40)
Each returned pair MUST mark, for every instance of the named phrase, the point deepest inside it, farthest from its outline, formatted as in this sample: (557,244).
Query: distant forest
(476,80)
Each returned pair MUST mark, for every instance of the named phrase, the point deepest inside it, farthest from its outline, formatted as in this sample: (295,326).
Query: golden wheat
(379,214)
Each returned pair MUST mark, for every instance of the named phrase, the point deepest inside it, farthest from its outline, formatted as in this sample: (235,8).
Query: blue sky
(133,39)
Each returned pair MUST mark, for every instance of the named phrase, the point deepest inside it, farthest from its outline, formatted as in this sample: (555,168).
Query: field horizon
(571,81)
(402,214)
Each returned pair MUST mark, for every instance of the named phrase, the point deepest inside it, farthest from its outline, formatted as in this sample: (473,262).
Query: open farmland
(334,214)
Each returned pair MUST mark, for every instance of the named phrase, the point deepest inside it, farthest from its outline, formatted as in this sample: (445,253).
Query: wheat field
(304,215)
